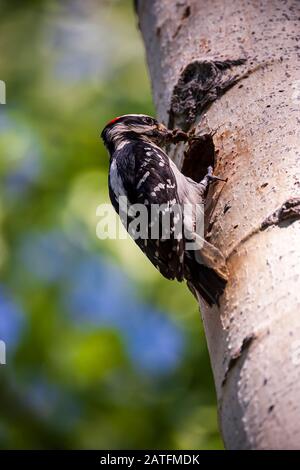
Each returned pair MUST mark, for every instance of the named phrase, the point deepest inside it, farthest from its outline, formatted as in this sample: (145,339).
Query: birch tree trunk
(238,61)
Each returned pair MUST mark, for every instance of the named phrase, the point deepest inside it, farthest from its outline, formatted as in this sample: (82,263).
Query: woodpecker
(141,171)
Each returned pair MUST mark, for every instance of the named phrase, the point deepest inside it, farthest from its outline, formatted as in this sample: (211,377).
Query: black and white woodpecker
(143,173)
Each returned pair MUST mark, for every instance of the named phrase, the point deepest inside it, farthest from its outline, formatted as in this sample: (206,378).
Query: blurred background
(102,352)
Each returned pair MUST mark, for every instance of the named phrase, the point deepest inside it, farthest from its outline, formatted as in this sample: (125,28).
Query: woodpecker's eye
(148,121)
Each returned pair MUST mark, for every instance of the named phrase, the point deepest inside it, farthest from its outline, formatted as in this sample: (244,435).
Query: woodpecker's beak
(168,136)
(163,129)
(165,134)
(172,136)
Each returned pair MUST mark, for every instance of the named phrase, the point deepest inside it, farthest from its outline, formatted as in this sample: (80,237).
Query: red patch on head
(113,120)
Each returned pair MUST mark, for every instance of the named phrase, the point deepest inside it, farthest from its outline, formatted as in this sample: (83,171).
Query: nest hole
(198,157)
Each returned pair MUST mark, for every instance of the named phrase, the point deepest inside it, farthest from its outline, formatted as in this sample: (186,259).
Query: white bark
(254,338)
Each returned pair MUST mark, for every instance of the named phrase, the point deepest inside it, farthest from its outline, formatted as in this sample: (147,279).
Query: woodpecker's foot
(212,178)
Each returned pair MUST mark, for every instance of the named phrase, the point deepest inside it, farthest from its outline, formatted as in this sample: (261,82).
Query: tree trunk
(238,62)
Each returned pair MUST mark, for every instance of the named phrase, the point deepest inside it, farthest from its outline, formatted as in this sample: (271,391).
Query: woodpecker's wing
(206,271)
(155,187)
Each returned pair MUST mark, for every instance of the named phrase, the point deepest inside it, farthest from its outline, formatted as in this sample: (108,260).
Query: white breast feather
(116,182)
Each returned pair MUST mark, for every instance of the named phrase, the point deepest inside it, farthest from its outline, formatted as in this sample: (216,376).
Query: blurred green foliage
(102,352)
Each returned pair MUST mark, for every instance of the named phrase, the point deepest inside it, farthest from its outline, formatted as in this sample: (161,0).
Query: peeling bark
(238,61)
(199,85)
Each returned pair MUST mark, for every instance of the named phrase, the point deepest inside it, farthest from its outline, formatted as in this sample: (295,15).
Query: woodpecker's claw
(208,179)
(212,177)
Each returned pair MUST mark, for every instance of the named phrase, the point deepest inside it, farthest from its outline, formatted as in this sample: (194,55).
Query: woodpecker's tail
(206,272)
(207,282)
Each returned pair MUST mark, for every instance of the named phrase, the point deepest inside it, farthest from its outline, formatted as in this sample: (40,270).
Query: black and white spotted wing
(149,180)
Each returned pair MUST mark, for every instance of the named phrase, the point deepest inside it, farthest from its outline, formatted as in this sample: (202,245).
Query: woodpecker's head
(132,127)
